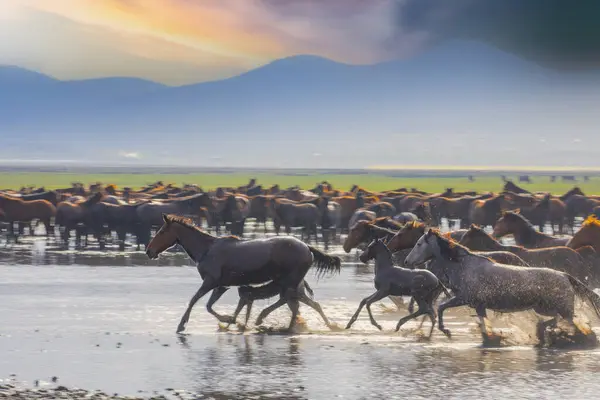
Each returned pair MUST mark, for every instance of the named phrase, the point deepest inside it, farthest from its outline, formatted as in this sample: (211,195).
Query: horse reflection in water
(230,261)
(480,283)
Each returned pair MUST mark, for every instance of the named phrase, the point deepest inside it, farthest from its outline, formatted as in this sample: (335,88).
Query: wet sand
(107,321)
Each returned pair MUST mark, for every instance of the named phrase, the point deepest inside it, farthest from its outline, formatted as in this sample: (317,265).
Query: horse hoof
(447,333)
(180,329)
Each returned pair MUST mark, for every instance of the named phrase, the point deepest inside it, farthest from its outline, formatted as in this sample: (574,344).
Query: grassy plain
(373,181)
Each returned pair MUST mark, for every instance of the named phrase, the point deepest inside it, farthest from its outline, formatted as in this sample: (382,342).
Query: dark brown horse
(229,261)
(559,258)
(72,213)
(524,232)
(538,214)
(291,214)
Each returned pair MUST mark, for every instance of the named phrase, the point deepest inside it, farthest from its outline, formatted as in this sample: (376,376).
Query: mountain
(299,105)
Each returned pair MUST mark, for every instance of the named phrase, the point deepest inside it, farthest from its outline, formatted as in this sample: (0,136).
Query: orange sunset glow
(182,41)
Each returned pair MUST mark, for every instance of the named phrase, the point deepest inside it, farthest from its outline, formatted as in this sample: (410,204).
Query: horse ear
(165,218)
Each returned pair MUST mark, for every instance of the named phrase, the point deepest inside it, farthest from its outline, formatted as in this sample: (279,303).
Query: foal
(248,294)
(420,284)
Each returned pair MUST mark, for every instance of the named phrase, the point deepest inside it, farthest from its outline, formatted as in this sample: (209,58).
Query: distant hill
(451,88)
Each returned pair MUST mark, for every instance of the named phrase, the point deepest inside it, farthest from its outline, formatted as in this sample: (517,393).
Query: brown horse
(525,234)
(19,210)
(538,214)
(409,235)
(486,212)
(363,232)
(229,261)
(73,212)
(588,235)
(559,258)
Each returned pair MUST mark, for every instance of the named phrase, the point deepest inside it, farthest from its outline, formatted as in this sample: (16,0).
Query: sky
(185,41)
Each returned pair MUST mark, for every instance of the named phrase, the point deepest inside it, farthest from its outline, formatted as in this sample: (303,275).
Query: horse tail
(324,262)
(585,293)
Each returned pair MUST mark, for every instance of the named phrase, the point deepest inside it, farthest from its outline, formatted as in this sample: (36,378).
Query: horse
(538,214)
(408,236)
(259,210)
(478,282)
(292,214)
(73,212)
(248,294)
(525,234)
(361,215)
(19,210)
(587,235)
(150,214)
(365,232)
(486,212)
(560,258)
(230,261)
(232,210)
(422,285)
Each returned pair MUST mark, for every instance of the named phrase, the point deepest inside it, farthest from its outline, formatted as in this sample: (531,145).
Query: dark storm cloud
(558,33)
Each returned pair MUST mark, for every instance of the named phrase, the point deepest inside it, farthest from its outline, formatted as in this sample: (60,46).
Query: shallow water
(108,320)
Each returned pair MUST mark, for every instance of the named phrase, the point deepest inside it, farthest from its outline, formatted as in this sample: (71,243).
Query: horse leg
(423,309)
(541,329)
(315,306)
(294,305)
(48,227)
(380,294)
(206,287)
(453,302)
(250,302)
(264,313)
(482,314)
(358,310)
(216,295)
(241,303)
(398,301)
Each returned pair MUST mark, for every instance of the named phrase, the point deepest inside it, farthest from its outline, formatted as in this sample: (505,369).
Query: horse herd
(107,213)
(397,229)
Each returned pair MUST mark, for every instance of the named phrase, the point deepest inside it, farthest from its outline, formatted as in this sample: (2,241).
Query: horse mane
(381,243)
(480,232)
(591,221)
(376,221)
(412,225)
(449,249)
(189,224)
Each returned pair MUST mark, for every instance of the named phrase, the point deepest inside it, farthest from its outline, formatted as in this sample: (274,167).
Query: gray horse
(478,282)
(422,285)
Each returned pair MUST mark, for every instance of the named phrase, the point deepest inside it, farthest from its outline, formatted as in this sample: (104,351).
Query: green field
(371,181)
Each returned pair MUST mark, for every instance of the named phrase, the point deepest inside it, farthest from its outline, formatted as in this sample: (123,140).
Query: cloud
(219,37)
(557,33)
(131,155)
